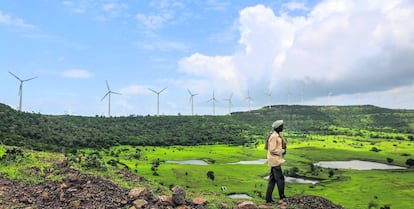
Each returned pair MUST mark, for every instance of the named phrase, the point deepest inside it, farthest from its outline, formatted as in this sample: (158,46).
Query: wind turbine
(192,100)
(288,96)
(158,98)
(269,94)
(249,99)
(230,104)
(213,99)
(109,97)
(21,88)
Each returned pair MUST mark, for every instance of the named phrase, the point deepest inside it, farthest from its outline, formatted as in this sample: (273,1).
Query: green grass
(349,188)
(352,189)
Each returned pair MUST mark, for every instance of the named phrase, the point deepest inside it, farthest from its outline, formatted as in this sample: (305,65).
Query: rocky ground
(79,190)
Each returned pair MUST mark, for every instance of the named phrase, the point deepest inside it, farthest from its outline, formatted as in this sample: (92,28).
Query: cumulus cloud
(76,73)
(338,46)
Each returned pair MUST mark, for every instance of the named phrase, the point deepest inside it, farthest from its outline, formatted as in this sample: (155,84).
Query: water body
(240,196)
(251,162)
(189,162)
(297,180)
(356,165)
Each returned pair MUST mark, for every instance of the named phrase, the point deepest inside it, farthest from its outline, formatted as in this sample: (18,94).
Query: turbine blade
(105,95)
(162,90)
(15,76)
(30,78)
(189,92)
(153,90)
(107,85)
(113,92)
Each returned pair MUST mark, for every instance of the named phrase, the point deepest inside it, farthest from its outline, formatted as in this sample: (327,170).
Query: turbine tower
(21,88)
(158,98)
(288,96)
(230,104)
(109,97)
(249,99)
(269,94)
(192,100)
(213,99)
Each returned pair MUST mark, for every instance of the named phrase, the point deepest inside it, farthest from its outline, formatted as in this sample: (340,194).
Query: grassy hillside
(68,133)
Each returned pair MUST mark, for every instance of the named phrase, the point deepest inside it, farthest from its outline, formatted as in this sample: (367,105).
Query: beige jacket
(275,151)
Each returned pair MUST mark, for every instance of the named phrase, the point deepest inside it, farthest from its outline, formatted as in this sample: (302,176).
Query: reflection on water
(190,162)
(356,165)
(240,196)
(297,180)
(259,161)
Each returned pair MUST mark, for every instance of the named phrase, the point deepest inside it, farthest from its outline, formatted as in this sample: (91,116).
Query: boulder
(178,195)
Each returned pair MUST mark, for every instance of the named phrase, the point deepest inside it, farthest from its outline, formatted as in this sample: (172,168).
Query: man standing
(276,149)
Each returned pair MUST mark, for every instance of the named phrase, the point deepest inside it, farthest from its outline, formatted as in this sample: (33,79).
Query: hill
(67,133)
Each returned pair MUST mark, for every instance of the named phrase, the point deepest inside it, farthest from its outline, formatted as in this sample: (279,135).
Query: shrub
(374,149)
(410,162)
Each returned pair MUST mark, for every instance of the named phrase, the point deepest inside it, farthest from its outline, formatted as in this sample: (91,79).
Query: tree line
(67,133)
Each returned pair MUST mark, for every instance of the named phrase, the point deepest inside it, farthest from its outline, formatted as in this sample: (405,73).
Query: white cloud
(339,46)
(294,5)
(163,45)
(114,9)
(7,19)
(75,73)
(153,21)
(219,70)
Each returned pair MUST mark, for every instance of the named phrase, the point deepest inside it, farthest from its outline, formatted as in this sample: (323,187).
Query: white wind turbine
(249,99)
(21,88)
(192,100)
(269,94)
(213,99)
(230,103)
(109,97)
(158,98)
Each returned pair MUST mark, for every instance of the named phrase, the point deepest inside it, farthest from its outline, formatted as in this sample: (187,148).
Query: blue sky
(333,52)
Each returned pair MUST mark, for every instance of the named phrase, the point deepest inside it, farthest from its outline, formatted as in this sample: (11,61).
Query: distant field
(350,188)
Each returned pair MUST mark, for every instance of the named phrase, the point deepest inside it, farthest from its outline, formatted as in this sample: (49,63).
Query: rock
(222,206)
(72,190)
(62,163)
(137,192)
(140,203)
(63,185)
(45,196)
(178,195)
(200,201)
(246,205)
(166,200)
(75,203)
(183,207)
(264,207)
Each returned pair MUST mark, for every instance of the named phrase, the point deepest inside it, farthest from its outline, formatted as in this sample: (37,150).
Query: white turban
(277,124)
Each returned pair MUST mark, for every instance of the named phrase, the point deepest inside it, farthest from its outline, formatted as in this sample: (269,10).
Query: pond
(250,162)
(240,196)
(356,165)
(297,180)
(189,162)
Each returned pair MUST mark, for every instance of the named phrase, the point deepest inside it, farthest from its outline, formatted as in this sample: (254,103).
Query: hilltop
(67,133)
